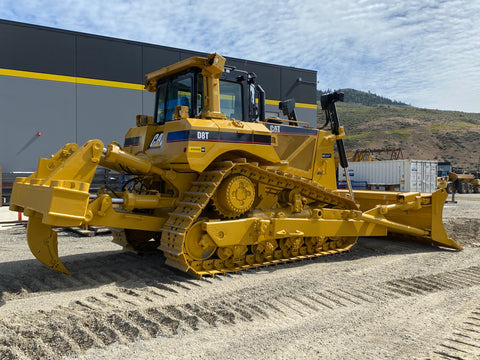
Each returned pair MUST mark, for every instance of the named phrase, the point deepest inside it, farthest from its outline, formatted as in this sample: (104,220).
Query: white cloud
(421,52)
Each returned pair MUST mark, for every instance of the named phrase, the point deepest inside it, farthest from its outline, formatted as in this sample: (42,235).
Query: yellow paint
(195,149)
(297,104)
(69,79)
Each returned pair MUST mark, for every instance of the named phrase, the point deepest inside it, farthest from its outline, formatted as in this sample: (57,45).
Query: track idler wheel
(198,244)
(234,196)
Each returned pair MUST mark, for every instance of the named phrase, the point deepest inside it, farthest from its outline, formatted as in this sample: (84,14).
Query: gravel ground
(384,299)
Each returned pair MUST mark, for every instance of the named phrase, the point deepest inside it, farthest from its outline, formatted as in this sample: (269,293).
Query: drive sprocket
(234,197)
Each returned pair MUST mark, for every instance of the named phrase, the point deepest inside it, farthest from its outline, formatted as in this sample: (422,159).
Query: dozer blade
(439,235)
(416,216)
(43,244)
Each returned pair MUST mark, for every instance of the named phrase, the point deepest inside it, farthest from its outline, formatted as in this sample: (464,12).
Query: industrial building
(60,86)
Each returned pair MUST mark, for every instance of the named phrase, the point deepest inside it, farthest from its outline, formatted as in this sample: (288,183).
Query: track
(180,222)
(382,299)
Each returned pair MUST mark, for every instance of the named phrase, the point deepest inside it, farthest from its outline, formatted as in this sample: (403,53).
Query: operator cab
(240,98)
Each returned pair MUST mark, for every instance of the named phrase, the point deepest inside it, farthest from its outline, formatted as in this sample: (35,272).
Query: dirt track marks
(93,271)
(465,341)
(25,279)
(128,314)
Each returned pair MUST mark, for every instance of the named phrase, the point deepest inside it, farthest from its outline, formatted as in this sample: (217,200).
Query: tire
(450,188)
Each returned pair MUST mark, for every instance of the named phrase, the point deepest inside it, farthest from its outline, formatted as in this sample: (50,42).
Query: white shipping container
(401,175)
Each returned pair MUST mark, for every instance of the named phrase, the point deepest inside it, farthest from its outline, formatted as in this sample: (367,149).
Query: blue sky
(425,53)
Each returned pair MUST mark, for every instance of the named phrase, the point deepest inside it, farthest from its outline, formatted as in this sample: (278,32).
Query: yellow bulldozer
(215,185)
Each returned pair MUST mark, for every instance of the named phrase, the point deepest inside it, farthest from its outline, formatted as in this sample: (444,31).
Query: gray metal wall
(62,113)
(66,110)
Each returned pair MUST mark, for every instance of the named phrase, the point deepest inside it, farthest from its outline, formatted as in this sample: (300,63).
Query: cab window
(199,106)
(231,99)
(173,93)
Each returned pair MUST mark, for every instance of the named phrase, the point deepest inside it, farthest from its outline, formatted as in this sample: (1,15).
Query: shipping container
(396,175)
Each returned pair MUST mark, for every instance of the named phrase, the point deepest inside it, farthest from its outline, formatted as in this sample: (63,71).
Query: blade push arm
(328,105)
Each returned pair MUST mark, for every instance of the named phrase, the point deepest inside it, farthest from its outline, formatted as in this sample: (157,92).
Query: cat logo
(156,141)
(275,128)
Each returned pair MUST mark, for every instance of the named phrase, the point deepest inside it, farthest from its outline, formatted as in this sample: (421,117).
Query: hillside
(422,134)
(364,98)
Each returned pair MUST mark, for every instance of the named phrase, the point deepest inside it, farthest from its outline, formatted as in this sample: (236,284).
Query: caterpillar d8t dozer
(215,185)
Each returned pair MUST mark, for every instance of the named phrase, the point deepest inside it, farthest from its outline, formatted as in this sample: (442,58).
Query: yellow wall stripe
(300,105)
(34,75)
(69,79)
(115,84)
(107,83)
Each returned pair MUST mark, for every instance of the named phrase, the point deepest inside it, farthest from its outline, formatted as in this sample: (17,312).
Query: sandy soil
(384,299)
